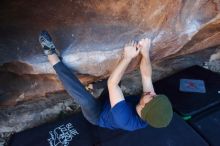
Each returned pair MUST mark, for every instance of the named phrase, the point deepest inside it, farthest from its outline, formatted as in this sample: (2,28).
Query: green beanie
(158,112)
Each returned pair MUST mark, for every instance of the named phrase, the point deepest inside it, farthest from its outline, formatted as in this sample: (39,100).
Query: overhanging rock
(91,35)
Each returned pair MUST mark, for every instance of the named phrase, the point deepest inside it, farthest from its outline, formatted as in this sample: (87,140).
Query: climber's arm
(115,93)
(145,66)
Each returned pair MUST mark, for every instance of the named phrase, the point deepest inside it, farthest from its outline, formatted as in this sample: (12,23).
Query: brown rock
(91,35)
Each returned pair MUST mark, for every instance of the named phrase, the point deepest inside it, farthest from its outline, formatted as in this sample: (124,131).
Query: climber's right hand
(131,50)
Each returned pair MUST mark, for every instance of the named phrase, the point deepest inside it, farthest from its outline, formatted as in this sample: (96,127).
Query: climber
(115,112)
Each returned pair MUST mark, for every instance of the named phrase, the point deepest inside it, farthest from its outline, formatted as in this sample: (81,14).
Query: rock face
(91,35)
(41,110)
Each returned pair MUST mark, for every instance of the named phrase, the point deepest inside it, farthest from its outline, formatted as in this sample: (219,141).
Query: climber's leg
(91,107)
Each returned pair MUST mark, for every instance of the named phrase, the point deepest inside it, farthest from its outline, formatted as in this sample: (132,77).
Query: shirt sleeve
(125,117)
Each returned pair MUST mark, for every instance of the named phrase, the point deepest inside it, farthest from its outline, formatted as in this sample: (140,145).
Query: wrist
(145,55)
(127,59)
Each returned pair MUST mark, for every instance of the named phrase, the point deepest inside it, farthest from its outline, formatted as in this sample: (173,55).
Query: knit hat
(158,112)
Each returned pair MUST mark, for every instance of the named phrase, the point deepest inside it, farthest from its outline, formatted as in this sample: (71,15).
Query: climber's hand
(131,50)
(144,45)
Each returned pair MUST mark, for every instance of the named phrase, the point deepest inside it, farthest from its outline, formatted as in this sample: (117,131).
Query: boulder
(90,36)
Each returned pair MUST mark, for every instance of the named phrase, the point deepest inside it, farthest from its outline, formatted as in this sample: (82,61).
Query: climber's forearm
(146,73)
(118,72)
(115,93)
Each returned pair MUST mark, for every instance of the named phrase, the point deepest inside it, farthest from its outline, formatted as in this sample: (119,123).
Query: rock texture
(91,35)
(41,110)
(21,116)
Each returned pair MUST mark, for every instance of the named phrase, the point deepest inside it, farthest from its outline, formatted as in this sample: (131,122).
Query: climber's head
(156,110)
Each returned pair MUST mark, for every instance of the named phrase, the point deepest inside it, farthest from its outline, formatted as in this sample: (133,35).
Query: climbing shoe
(47,44)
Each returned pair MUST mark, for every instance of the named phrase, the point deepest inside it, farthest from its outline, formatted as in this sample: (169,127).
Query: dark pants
(91,107)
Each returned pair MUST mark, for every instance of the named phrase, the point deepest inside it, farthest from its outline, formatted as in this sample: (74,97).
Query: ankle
(53,59)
